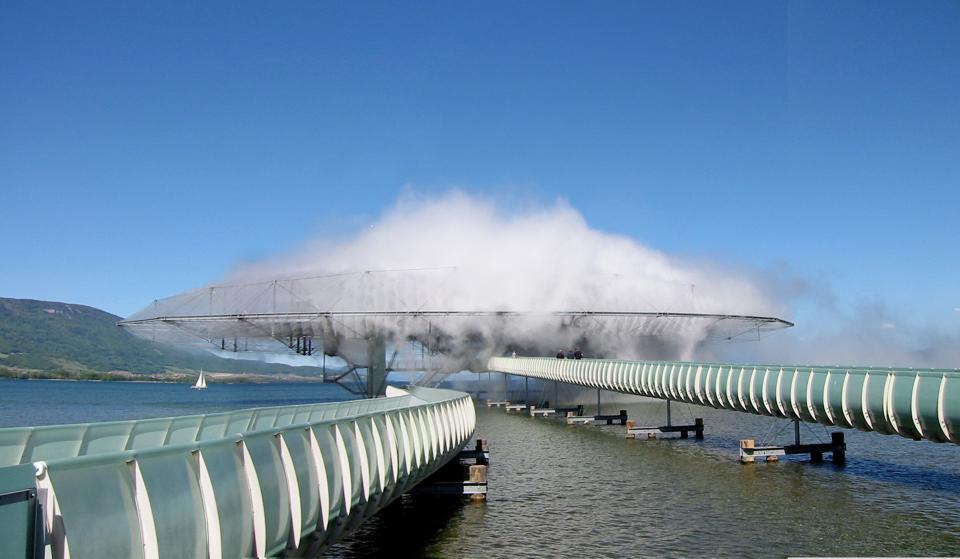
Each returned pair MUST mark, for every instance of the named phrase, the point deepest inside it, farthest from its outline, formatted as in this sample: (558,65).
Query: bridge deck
(914,403)
(244,483)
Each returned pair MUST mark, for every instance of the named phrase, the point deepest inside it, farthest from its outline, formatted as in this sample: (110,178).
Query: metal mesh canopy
(339,314)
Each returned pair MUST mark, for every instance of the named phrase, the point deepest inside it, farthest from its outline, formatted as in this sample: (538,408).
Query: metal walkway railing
(237,484)
(914,403)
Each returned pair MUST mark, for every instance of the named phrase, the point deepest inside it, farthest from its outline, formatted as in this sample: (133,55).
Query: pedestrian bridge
(254,482)
(914,403)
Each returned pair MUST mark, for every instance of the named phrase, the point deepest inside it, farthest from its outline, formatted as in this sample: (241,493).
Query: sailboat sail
(201,382)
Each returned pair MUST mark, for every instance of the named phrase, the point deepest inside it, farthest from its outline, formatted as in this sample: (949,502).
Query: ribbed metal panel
(913,403)
(246,483)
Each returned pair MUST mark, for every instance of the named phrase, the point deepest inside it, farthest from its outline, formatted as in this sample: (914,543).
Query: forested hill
(76,339)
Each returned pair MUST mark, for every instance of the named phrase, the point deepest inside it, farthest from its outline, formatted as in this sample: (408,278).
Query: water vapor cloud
(459,252)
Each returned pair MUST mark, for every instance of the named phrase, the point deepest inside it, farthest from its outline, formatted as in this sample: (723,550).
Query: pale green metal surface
(17,512)
(95,497)
(303,476)
(224,465)
(298,444)
(23,445)
(273,488)
(171,482)
(914,403)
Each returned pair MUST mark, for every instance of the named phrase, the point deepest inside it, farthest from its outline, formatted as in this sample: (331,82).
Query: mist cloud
(539,260)
(870,334)
(459,252)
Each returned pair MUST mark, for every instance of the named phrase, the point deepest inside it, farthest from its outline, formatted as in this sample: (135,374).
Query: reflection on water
(409,526)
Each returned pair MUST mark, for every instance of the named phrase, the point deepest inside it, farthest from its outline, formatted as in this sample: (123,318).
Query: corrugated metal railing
(914,403)
(246,483)
(23,445)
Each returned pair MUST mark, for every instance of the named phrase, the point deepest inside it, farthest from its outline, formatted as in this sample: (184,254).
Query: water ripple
(558,490)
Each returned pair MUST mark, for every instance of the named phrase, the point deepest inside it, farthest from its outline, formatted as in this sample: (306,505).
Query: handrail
(22,445)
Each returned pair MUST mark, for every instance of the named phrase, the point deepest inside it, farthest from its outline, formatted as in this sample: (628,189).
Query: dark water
(577,491)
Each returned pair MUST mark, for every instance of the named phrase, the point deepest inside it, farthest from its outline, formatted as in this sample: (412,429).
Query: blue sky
(146,148)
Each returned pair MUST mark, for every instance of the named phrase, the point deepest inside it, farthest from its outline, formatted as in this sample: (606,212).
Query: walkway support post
(839,448)
(377,367)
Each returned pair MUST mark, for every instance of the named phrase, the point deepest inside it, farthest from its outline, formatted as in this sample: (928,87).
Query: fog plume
(462,257)
(458,252)
(868,334)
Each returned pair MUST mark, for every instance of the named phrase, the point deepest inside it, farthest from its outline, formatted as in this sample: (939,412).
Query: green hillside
(76,340)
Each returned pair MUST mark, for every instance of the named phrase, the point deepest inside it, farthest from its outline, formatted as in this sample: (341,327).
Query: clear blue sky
(146,147)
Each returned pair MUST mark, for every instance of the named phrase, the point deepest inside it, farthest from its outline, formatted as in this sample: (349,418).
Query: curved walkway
(914,403)
(245,483)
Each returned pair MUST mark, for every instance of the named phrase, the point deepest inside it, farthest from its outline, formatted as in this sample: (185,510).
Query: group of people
(575,354)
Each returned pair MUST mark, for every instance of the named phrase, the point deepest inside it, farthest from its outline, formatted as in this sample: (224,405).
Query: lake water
(50,402)
(559,490)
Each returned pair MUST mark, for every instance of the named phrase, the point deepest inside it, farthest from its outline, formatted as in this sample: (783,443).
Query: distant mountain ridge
(76,339)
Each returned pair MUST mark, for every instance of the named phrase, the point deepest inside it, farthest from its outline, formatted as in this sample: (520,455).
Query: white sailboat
(201,382)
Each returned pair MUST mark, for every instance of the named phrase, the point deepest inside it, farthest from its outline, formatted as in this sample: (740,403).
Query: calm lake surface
(51,402)
(575,491)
